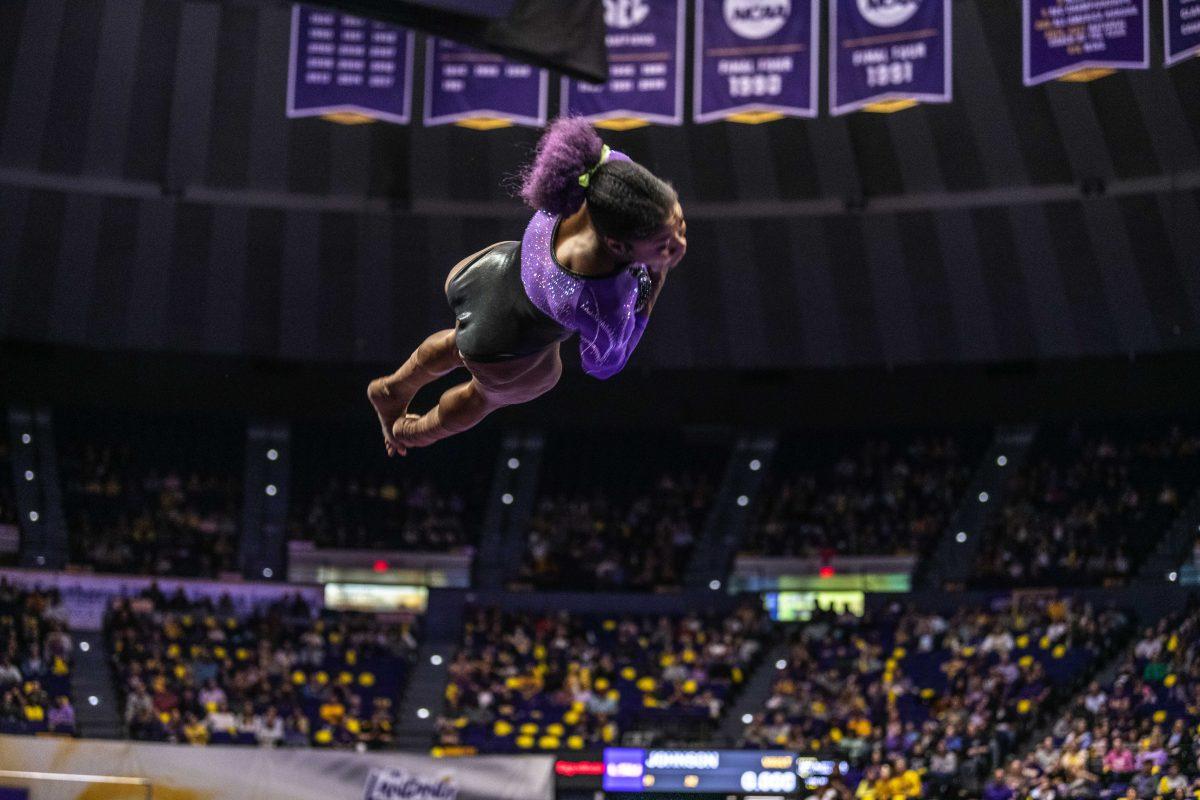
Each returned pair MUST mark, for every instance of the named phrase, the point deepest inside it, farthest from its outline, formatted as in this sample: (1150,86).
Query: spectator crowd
(1090,503)
(525,681)
(346,494)
(925,703)
(35,663)
(201,672)
(1134,736)
(151,496)
(619,513)
(888,496)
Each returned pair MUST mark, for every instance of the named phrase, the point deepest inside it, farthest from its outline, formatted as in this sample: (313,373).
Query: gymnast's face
(662,249)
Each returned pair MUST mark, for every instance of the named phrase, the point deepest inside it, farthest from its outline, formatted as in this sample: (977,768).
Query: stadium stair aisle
(753,697)
(952,561)
(426,688)
(263,548)
(727,519)
(44,543)
(1174,551)
(91,676)
(506,521)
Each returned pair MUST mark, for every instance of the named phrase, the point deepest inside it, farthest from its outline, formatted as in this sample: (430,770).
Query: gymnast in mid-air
(593,260)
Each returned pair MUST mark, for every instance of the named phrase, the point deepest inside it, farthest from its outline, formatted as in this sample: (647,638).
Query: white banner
(241,773)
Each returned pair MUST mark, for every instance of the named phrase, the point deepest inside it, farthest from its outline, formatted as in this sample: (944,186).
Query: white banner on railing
(237,773)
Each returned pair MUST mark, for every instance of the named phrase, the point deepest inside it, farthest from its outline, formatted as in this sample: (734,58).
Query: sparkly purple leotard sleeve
(607,312)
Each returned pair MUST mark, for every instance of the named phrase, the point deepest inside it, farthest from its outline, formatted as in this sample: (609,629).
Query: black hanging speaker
(561,35)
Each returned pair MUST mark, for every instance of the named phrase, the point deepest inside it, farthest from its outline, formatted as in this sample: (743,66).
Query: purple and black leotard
(517,299)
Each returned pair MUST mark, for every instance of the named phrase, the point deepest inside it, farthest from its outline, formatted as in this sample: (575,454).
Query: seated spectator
(268,729)
(220,719)
(61,718)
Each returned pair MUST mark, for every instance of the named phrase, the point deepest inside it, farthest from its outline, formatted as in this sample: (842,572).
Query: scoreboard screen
(634,769)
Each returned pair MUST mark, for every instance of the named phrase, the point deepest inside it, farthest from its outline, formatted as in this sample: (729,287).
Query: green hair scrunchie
(586,177)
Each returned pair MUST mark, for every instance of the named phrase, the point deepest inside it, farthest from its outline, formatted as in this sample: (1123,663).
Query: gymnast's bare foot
(389,406)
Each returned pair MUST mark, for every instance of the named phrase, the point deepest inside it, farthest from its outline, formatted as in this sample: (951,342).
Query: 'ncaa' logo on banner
(625,13)
(888,13)
(756,19)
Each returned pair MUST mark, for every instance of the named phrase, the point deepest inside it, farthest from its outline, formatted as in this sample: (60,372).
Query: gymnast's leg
(391,394)
(492,386)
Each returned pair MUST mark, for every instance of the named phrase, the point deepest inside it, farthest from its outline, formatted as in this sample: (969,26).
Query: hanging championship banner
(480,90)
(887,55)
(1181,29)
(1081,40)
(645,68)
(348,68)
(756,60)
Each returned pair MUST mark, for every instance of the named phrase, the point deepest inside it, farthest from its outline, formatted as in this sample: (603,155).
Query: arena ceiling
(154,196)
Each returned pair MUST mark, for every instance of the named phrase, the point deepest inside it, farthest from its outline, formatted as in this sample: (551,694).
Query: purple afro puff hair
(568,148)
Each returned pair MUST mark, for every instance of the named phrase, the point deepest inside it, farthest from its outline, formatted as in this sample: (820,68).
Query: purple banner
(755,60)
(342,64)
(480,90)
(1181,29)
(1069,36)
(645,68)
(888,53)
